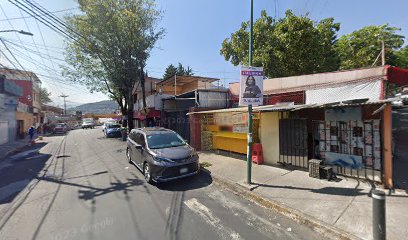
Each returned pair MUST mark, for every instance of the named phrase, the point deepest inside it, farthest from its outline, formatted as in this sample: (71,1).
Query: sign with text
(251,91)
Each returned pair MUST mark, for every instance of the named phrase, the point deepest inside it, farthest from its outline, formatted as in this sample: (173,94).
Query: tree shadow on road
(91,192)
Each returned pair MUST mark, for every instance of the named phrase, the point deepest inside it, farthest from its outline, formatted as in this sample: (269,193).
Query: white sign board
(251,91)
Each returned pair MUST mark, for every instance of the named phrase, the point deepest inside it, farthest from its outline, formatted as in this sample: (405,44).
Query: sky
(194,31)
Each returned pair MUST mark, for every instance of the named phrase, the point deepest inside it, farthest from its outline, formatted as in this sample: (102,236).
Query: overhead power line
(25,17)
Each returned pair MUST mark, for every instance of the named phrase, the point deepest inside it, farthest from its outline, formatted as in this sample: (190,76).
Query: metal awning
(292,107)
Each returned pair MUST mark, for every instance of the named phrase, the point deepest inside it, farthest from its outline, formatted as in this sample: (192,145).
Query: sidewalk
(11,147)
(344,205)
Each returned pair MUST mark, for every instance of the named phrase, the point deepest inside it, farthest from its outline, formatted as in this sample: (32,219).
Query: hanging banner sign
(251,91)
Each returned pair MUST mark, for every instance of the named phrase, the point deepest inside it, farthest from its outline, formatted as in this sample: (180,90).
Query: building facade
(28,112)
(9,94)
(342,118)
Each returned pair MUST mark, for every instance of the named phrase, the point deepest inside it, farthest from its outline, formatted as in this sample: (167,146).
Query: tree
(362,47)
(171,70)
(44,96)
(292,45)
(402,57)
(113,42)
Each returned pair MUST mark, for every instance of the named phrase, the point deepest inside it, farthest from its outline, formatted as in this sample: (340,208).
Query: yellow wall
(269,136)
(28,119)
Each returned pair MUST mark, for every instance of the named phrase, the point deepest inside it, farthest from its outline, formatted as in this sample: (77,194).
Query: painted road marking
(224,232)
(266,226)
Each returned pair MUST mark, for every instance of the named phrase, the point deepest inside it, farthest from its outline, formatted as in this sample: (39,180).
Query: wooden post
(387,146)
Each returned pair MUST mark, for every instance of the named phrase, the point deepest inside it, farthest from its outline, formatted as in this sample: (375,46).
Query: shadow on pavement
(201,180)
(326,190)
(17,171)
(90,193)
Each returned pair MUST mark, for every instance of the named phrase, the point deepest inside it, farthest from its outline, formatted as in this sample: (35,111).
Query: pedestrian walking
(31,133)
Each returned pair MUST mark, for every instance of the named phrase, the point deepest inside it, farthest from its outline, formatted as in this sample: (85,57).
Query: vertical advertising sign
(251,91)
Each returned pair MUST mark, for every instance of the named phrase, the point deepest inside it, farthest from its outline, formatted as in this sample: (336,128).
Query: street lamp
(21,32)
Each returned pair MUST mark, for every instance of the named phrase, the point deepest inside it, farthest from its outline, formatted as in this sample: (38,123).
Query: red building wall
(296,97)
(27,97)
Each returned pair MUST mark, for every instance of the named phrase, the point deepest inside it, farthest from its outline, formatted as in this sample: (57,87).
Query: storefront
(351,137)
(149,119)
(347,137)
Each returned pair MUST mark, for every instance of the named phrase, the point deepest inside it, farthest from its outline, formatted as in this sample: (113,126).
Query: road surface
(80,186)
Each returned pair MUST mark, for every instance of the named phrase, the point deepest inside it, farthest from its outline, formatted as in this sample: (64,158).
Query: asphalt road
(80,186)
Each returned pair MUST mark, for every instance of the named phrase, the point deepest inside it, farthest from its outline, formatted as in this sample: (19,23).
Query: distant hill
(107,106)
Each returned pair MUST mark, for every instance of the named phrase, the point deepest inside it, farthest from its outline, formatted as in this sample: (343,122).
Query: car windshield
(164,140)
(113,126)
(60,125)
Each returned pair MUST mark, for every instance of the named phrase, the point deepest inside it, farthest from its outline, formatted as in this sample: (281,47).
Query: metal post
(249,154)
(378,215)
(251,36)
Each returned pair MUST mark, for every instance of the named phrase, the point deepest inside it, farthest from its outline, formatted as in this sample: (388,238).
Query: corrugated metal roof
(284,108)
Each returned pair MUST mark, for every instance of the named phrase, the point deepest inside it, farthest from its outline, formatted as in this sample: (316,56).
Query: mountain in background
(102,107)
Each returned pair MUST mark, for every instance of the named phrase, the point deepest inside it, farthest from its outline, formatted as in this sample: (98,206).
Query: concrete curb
(322,228)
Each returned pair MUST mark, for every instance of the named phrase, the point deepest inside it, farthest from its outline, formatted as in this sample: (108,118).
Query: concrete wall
(28,119)
(269,136)
(7,118)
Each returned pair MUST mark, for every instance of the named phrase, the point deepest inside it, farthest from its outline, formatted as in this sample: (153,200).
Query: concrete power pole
(382,53)
(65,104)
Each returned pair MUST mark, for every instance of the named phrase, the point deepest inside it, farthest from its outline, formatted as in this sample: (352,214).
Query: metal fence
(357,140)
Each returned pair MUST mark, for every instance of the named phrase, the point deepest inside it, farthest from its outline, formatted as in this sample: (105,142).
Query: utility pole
(249,154)
(65,104)
(382,53)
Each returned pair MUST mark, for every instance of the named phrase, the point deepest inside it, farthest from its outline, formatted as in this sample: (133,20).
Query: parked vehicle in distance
(404,98)
(400,100)
(106,124)
(87,124)
(161,154)
(60,128)
(112,130)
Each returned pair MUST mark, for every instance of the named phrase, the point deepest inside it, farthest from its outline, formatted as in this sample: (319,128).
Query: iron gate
(293,142)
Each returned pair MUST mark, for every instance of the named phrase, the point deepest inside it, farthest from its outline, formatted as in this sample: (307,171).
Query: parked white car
(401,99)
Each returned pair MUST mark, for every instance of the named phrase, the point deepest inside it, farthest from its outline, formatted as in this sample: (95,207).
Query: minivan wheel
(128,155)
(146,173)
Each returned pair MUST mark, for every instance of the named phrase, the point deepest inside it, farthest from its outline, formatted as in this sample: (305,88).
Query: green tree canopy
(292,45)
(44,96)
(113,42)
(401,57)
(171,70)
(362,47)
